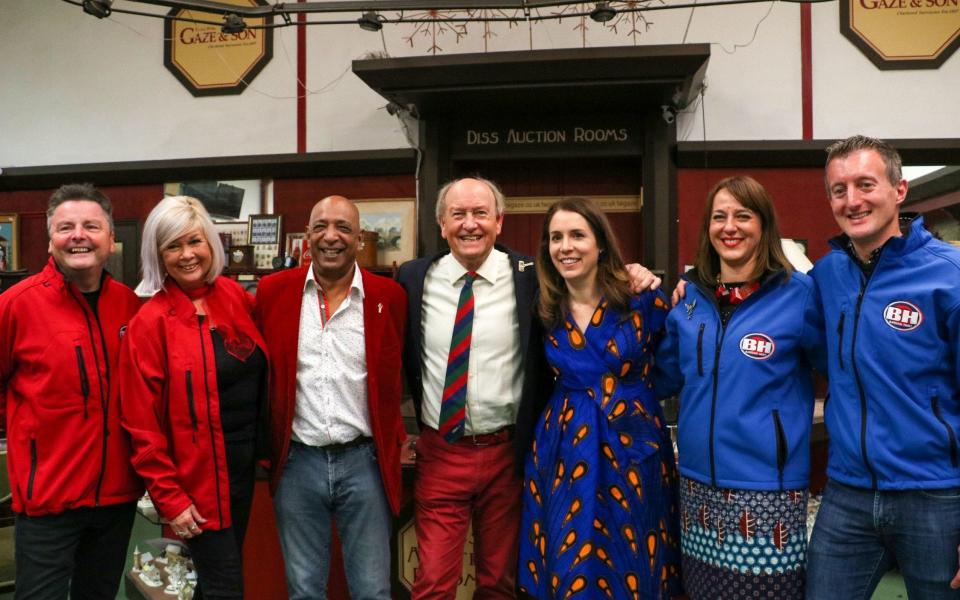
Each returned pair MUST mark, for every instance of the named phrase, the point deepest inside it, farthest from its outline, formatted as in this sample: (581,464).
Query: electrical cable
(282,11)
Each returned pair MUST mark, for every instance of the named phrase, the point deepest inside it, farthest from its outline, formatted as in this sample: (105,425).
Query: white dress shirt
(331,401)
(495,380)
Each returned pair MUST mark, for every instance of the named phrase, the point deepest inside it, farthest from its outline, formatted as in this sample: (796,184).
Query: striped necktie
(454,402)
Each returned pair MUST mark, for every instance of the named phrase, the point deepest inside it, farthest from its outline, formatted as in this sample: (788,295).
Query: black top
(239,384)
(92,299)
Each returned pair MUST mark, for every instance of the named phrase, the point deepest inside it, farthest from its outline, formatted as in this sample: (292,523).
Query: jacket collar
(915,235)
(51,272)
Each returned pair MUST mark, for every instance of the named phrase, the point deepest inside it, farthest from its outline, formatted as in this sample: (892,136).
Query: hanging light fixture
(98,8)
(603,12)
(370,21)
(233,23)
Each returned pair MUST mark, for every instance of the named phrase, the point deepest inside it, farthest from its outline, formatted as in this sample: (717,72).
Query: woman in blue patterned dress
(600,518)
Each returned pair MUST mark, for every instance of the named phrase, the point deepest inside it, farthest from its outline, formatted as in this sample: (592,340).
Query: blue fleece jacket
(894,405)
(746,396)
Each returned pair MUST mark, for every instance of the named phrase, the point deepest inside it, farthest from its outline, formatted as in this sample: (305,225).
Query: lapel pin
(379,307)
(524,265)
(690,306)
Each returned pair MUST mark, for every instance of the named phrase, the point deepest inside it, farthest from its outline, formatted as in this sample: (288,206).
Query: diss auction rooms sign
(902,34)
(209,62)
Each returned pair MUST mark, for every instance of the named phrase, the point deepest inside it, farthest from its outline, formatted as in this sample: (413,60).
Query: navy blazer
(537,382)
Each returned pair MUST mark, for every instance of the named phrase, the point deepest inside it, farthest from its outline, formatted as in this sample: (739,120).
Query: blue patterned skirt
(742,543)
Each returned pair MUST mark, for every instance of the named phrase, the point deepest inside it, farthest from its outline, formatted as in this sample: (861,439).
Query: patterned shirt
(331,401)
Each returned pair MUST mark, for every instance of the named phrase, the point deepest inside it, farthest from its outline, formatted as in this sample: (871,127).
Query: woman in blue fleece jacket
(739,351)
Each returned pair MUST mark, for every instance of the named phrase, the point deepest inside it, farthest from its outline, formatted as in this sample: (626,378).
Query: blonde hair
(173,217)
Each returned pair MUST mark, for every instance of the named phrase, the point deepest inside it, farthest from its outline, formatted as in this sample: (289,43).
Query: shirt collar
(488,271)
(355,285)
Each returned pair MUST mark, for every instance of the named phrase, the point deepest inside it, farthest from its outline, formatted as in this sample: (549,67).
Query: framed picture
(232,232)
(395,221)
(296,250)
(240,257)
(265,239)
(9,242)
(264,229)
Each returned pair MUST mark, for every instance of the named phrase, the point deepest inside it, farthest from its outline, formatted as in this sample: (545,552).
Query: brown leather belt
(500,436)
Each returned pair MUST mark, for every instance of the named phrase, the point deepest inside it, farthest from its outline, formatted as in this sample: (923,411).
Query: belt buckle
(476,442)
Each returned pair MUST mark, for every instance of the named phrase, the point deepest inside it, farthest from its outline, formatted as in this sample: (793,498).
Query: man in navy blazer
(478,476)
(474,477)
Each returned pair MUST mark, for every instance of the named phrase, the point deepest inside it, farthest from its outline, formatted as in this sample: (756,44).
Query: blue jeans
(860,534)
(318,487)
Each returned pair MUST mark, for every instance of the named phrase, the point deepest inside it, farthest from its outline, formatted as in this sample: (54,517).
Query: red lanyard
(324,313)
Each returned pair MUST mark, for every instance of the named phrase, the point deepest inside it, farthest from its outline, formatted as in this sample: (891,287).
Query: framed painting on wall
(395,221)
(297,250)
(9,242)
(265,238)
(232,233)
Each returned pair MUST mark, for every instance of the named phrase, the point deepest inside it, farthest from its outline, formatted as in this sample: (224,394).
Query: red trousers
(454,484)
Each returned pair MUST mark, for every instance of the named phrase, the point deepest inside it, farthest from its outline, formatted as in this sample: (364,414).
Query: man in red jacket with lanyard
(74,491)
(334,333)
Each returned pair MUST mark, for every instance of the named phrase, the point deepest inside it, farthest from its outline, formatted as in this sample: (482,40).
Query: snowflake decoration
(579,12)
(432,25)
(492,13)
(634,21)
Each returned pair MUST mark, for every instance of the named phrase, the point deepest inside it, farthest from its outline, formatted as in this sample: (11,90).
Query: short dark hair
(891,158)
(755,198)
(79,191)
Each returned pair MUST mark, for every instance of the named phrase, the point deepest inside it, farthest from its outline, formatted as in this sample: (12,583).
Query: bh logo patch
(757,346)
(902,316)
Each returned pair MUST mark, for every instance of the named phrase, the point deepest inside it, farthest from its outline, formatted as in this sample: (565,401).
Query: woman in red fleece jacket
(193,379)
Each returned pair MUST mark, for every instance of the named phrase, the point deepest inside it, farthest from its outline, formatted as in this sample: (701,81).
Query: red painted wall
(294,198)
(798,194)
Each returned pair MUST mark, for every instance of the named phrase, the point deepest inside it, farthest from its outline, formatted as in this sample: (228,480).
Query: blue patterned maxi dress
(600,513)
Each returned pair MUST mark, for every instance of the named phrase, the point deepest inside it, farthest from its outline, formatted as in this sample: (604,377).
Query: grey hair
(494,189)
(79,191)
(891,158)
(173,217)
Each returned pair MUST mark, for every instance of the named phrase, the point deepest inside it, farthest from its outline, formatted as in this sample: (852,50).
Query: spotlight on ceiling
(97,8)
(370,21)
(232,23)
(603,12)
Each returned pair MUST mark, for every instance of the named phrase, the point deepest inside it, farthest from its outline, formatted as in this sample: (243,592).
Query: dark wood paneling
(264,166)
(562,177)
(540,81)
